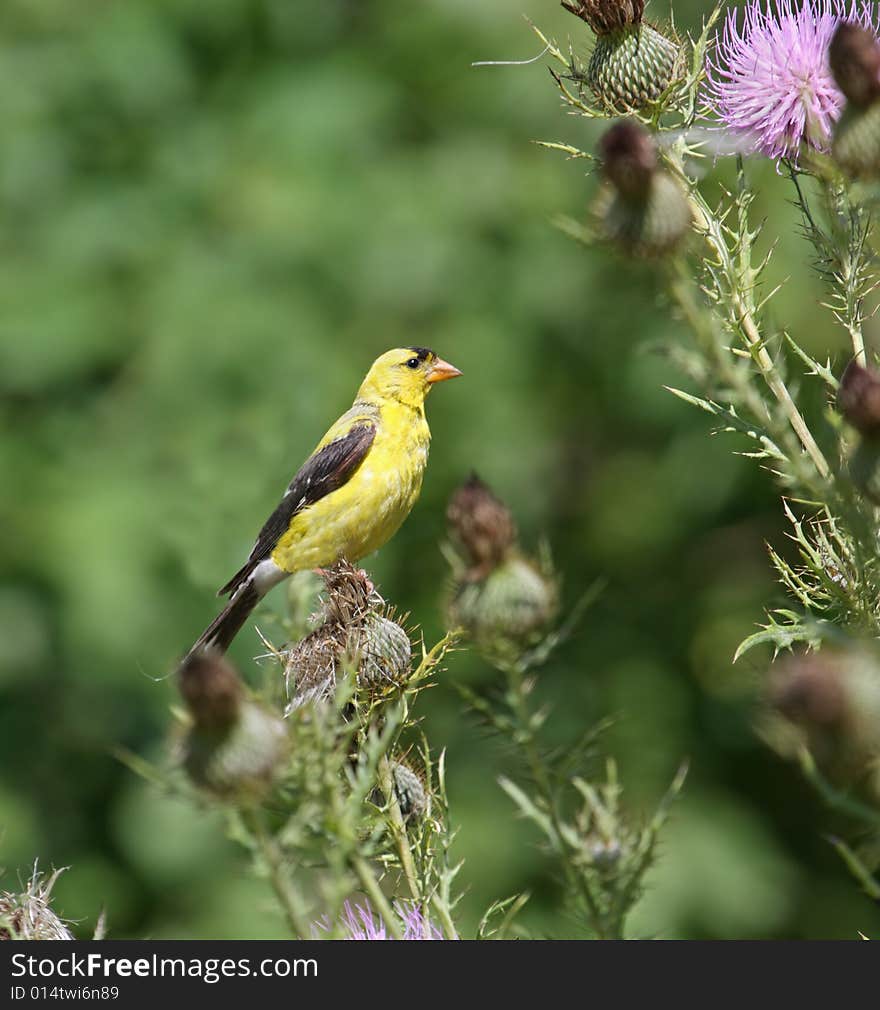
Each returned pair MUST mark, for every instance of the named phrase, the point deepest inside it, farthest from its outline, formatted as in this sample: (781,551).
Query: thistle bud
(511,607)
(833,699)
(408,790)
(854,57)
(384,651)
(632,64)
(808,690)
(481,525)
(211,690)
(855,144)
(629,159)
(858,398)
(500,598)
(354,632)
(641,209)
(235,746)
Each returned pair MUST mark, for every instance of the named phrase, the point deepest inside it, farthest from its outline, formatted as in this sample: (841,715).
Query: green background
(213,216)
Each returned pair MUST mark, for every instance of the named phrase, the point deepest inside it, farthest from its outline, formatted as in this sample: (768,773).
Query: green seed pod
(241,761)
(641,209)
(632,64)
(864,468)
(513,605)
(631,68)
(856,142)
(409,791)
(385,652)
(646,228)
(833,698)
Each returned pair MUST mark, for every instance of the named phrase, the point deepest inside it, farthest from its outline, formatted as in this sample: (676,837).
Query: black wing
(325,471)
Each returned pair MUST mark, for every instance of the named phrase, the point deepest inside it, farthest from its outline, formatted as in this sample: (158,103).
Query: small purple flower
(769,80)
(360,922)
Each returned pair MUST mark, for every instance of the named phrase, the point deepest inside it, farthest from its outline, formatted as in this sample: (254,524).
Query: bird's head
(405,374)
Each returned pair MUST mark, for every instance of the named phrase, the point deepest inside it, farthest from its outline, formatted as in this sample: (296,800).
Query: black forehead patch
(423,353)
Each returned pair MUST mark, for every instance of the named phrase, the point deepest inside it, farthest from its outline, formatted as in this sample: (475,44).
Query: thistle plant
(28,915)
(796,84)
(854,56)
(325,778)
(600,855)
(360,922)
(500,597)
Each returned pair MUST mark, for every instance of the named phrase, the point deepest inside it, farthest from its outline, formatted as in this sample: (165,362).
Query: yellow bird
(351,495)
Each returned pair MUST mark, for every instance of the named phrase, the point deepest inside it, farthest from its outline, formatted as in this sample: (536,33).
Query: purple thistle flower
(770,82)
(360,922)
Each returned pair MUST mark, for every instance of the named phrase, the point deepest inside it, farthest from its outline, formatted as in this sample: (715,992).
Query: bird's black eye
(413,363)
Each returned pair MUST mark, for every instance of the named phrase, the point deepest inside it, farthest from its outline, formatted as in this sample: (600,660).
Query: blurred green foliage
(213,216)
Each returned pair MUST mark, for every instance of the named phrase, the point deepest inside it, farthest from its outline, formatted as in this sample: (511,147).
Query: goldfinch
(351,495)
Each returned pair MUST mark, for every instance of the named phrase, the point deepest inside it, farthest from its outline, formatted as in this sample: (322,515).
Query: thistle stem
(374,892)
(442,909)
(289,898)
(744,319)
(398,829)
(574,880)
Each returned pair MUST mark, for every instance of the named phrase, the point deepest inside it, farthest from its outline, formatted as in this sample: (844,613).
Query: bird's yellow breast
(363,514)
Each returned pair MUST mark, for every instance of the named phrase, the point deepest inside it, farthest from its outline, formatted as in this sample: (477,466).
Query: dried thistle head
(349,593)
(29,915)
(481,524)
(355,631)
(606,16)
(858,398)
(854,58)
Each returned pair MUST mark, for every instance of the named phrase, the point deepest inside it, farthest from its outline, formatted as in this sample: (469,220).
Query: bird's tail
(227,624)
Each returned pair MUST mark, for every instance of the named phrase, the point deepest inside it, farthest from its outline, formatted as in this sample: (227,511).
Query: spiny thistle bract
(854,56)
(641,208)
(28,915)
(832,699)
(235,746)
(632,63)
(356,632)
(500,597)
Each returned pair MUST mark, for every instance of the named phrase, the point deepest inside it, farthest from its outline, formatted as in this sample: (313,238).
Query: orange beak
(441,371)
